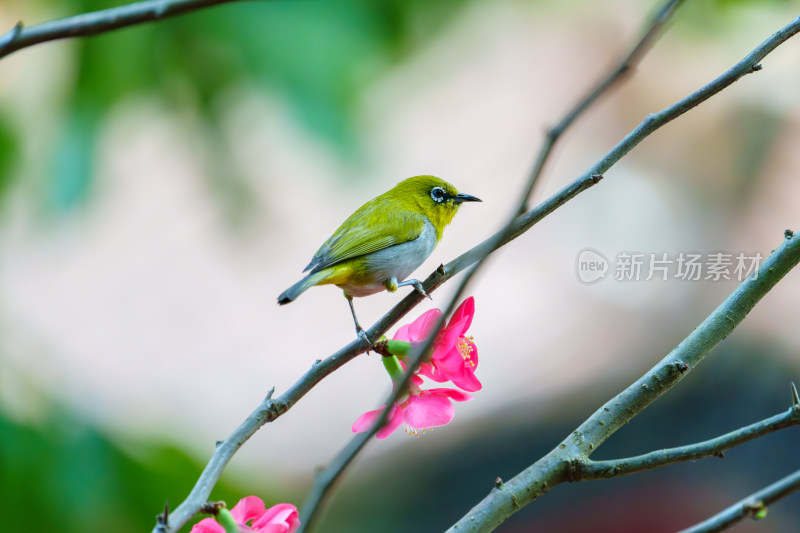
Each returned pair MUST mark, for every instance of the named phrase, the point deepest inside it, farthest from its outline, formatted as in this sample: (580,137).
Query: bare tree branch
(555,467)
(754,506)
(650,124)
(99,22)
(584,468)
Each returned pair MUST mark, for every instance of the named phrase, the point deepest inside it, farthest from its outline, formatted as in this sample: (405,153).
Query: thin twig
(754,506)
(615,75)
(96,22)
(325,479)
(585,469)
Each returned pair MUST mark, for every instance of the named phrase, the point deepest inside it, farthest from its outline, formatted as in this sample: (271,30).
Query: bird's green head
(433,197)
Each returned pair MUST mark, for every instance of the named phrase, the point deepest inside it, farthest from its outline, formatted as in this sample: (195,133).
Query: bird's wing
(372,227)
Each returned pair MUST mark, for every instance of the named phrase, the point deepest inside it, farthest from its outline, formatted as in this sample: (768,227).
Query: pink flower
(281,518)
(454,357)
(422,409)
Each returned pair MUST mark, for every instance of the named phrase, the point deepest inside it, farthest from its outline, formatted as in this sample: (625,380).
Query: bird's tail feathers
(300,287)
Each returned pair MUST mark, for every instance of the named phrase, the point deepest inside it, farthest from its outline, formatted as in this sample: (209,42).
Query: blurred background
(162,184)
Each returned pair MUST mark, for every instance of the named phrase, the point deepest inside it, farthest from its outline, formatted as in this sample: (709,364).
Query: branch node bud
(211,508)
(163,518)
(756,510)
(381,348)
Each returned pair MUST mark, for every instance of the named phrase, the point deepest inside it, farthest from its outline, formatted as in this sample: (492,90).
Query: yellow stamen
(413,432)
(465,347)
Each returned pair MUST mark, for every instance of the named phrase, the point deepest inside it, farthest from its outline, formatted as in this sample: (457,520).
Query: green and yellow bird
(384,241)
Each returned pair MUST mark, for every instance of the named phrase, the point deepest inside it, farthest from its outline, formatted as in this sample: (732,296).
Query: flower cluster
(250,515)
(454,358)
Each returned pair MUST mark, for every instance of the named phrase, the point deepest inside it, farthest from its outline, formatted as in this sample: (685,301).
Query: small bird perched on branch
(384,241)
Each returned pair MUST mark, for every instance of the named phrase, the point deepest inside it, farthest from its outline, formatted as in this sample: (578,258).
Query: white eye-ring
(438,195)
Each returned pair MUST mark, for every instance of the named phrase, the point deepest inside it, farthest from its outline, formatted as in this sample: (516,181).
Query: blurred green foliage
(63,474)
(319,56)
(8,150)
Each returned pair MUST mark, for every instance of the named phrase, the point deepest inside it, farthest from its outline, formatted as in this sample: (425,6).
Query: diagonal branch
(325,479)
(554,468)
(99,22)
(754,506)
(583,468)
(616,74)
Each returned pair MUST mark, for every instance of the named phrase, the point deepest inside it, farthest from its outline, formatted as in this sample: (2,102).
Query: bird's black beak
(459,198)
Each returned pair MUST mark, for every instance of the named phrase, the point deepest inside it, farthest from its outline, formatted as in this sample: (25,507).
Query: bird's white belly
(397,261)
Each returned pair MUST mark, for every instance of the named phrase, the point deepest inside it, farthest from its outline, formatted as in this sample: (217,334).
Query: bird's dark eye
(438,195)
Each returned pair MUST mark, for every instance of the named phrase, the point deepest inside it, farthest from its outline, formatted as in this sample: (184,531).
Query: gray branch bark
(750,507)
(556,466)
(96,22)
(553,468)
(584,468)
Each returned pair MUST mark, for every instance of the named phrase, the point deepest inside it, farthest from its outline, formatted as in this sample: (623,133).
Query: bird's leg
(414,283)
(359,330)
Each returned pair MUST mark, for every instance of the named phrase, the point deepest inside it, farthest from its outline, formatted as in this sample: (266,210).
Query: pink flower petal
(420,329)
(450,365)
(365,421)
(395,419)
(448,338)
(207,525)
(450,362)
(431,372)
(467,382)
(248,508)
(453,394)
(427,411)
(465,311)
(403,334)
(280,518)
(279,528)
